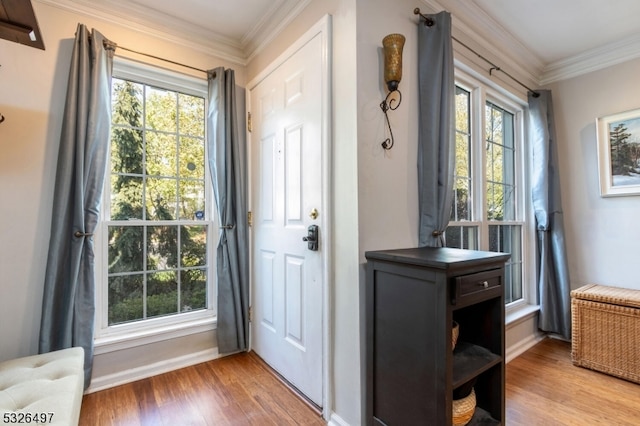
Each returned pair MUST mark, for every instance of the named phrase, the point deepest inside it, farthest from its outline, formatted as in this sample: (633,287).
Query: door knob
(312,238)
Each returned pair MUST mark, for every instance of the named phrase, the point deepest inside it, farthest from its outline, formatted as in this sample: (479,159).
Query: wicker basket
(463,409)
(606,330)
(455,331)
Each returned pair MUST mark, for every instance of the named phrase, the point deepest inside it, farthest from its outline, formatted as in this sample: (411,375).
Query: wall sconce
(392,47)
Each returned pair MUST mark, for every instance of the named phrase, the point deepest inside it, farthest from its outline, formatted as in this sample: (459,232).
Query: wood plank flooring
(543,388)
(234,390)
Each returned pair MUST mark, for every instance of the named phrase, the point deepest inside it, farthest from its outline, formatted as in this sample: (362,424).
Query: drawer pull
(484,284)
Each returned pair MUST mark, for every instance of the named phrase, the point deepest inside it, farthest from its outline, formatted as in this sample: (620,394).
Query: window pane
(162,247)
(162,294)
(464,237)
(508,288)
(191,115)
(191,200)
(494,238)
(462,207)
(161,154)
(453,236)
(126,198)
(508,134)
(500,164)
(193,289)
(497,127)
(193,246)
(501,204)
(160,110)
(495,163)
(513,291)
(495,210)
(125,298)
(191,158)
(508,239)
(508,202)
(463,156)
(126,103)
(462,110)
(126,150)
(161,199)
(126,252)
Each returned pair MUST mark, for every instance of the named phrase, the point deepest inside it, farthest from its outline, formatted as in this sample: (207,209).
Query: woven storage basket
(606,330)
(455,331)
(463,409)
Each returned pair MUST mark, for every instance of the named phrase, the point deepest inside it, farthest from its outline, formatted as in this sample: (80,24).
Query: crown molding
(267,30)
(470,24)
(157,25)
(496,42)
(175,30)
(474,27)
(592,60)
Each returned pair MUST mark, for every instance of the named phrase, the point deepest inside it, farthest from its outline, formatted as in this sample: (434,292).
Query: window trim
(121,336)
(482,90)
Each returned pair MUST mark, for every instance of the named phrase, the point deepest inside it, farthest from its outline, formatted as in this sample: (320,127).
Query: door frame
(322,29)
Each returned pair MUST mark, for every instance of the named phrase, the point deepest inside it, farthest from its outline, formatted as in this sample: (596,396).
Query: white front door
(287,157)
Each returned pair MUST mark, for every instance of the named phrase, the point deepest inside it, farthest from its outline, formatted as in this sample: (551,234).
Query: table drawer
(475,287)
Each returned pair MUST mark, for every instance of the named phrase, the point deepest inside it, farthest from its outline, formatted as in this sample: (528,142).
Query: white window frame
(121,336)
(483,90)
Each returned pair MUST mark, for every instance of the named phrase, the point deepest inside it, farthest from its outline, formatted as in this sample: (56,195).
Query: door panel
(294,303)
(267,300)
(287,182)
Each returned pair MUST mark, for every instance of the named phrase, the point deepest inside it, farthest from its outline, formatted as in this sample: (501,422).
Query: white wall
(602,233)
(388,189)
(32,92)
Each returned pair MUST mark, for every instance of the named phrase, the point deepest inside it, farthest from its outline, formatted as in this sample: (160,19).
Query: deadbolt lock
(314,213)
(312,238)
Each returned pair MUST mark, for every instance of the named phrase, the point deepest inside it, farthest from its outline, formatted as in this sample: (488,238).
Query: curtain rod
(162,59)
(430,22)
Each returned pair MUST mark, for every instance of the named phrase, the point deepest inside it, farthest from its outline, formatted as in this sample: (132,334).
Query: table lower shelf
(471,360)
(481,417)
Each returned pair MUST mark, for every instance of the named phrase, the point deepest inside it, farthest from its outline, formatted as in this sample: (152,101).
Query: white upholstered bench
(49,386)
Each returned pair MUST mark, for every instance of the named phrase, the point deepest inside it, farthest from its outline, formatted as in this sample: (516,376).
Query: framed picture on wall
(619,153)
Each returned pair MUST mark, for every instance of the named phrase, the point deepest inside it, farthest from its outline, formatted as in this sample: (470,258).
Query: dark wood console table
(412,297)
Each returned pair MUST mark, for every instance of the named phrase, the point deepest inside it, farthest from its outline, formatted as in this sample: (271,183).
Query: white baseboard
(336,420)
(145,371)
(515,350)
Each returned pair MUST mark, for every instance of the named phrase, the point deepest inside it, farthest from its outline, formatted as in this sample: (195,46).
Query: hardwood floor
(543,388)
(234,390)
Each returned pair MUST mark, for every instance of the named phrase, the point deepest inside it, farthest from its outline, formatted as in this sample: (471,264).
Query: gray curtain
(68,301)
(227,164)
(553,273)
(436,147)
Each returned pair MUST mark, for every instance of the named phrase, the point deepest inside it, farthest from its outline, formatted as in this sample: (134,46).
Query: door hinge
(249,219)
(249,127)
(250,313)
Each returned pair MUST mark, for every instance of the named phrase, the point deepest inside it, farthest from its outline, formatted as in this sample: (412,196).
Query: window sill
(520,313)
(111,343)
